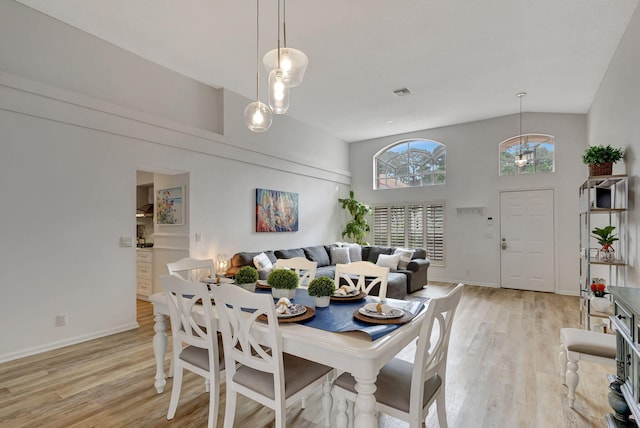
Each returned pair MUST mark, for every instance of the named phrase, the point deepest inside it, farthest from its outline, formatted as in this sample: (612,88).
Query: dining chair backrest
(431,358)
(305,268)
(192,269)
(364,276)
(238,312)
(195,341)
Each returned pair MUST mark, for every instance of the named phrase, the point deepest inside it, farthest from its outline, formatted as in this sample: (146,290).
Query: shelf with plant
(600,159)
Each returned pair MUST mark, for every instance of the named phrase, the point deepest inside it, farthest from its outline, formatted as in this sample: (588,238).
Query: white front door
(527,240)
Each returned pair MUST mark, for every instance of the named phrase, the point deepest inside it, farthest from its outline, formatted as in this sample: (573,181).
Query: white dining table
(352,352)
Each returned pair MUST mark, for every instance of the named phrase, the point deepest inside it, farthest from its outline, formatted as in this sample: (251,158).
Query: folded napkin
(282,307)
(380,308)
(345,290)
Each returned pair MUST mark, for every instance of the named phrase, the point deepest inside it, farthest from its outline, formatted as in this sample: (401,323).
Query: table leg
(365,403)
(159,350)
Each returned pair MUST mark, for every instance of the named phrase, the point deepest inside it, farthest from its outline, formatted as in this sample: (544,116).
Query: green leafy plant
(605,236)
(283,278)
(596,155)
(358,227)
(246,275)
(321,286)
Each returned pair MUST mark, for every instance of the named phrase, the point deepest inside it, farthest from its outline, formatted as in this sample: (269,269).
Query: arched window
(527,154)
(410,163)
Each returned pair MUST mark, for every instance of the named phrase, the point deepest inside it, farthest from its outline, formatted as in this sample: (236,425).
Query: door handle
(504,244)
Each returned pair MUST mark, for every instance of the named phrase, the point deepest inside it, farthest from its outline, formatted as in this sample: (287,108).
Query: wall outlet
(61,320)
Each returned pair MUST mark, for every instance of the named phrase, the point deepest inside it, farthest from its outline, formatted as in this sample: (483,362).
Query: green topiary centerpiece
(321,286)
(246,277)
(283,283)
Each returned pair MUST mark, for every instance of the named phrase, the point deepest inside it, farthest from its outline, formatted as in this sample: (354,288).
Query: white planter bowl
(322,301)
(249,287)
(279,293)
(600,304)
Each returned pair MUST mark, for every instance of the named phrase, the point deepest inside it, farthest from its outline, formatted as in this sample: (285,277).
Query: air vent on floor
(402,92)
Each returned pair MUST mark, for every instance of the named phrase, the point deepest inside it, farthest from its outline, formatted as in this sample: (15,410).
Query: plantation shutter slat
(380,226)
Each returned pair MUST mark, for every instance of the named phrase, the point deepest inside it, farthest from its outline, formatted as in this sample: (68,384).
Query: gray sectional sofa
(400,283)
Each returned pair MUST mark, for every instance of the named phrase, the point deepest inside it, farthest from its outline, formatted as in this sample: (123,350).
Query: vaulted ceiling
(462,60)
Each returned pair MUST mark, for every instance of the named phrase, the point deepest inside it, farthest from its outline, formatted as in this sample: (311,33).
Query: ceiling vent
(403,92)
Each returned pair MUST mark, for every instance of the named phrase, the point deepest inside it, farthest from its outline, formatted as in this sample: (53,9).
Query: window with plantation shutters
(411,226)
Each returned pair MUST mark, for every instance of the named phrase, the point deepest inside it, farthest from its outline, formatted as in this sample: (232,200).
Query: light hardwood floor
(503,371)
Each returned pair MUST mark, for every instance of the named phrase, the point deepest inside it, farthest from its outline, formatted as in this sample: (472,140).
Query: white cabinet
(603,201)
(144,272)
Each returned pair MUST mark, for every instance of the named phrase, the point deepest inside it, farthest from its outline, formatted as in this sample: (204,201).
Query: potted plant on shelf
(600,159)
(598,301)
(322,288)
(358,227)
(246,277)
(283,283)
(605,238)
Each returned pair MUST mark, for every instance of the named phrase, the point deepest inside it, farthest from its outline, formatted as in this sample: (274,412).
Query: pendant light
(521,160)
(257,115)
(292,62)
(278,90)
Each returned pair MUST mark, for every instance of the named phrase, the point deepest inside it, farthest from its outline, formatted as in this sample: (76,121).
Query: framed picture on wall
(170,206)
(276,211)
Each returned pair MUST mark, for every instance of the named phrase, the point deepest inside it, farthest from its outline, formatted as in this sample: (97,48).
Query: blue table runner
(338,316)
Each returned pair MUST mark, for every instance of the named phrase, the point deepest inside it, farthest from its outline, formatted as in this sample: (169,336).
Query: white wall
(614,118)
(473,181)
(68,163)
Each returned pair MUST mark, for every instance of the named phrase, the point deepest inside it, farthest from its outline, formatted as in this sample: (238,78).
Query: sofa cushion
(389,260)
(374,252)
(405,257)
(246,258)
(420,253)
(355,252)
(317,254)
(289,254)
(340,255)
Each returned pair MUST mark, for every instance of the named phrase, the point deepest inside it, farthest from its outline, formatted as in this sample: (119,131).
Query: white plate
(349,294)
(210,281)
(294,311)
(390,314)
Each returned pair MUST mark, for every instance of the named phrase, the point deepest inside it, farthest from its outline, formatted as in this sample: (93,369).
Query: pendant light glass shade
(293,64)
(520,160)
(258,116)
(278,92)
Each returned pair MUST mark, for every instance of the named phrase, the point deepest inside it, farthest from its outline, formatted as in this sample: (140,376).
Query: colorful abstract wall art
(276,211)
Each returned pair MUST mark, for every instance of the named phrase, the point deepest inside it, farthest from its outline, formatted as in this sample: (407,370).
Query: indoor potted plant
(246,277)
(598,301)
(322,288)
(283,283)
(600,159)
(605,238)
(358,227)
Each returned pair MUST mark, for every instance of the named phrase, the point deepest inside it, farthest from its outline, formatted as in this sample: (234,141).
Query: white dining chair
(195,344)
(256,366)
(405,390)
(196,270)
(304,268)
(364,276)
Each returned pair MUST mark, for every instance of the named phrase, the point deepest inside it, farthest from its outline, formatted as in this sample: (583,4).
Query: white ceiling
(463,60)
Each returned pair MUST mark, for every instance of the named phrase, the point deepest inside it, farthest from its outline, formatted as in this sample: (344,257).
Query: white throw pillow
(355,252)
(405,257)
(388,260)
(262,262)
(340,255)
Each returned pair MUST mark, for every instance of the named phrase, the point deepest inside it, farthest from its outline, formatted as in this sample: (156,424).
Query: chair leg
(563,365)
(572,381)
(441,408)
(214,401)
(175,392)
(230,408)
(351,413)
(281,415)
(207,387)
(327,401)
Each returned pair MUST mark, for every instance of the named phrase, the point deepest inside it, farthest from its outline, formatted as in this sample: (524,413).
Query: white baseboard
(61,344)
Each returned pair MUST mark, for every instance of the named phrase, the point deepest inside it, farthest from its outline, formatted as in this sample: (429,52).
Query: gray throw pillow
(340,255)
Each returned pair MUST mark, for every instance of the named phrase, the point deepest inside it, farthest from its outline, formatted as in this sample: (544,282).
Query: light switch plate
(126,241)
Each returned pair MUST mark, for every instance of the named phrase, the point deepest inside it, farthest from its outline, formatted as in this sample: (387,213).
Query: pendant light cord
(257,50)
(278,34)
(284,22)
